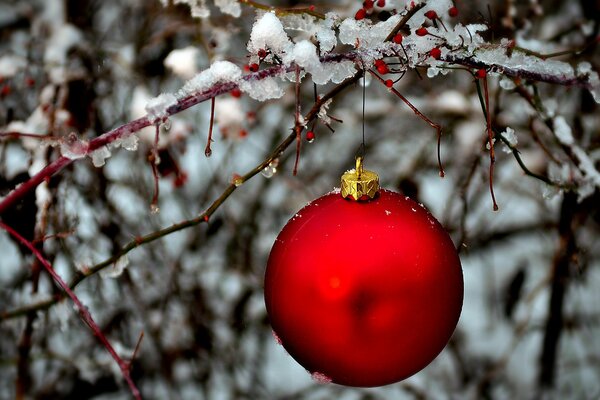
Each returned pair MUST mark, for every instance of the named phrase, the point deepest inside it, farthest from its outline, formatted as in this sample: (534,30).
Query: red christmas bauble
(363,293)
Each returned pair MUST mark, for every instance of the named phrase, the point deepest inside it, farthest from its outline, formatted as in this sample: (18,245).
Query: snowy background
(71,70)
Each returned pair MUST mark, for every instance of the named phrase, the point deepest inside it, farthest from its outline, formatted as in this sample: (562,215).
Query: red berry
(431,15)
(435,53)
(389,83)
(453,12)
(253,67)
(310,136)
(360,14)
(242,133)
(383,69)
(262,53)
(398,38)
(311,8)
(368,4)
(422,31)
(206,218)
(236,92)
(379,62)
(380,3)
(481,73)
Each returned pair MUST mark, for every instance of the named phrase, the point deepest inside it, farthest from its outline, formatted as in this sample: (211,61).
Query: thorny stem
(488,122)
(207,149)
(468,61)
(297,124)
(435,126)
(485,102)
(154,161)
(83,311)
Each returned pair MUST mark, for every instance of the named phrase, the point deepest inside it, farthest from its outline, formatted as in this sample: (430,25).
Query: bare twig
(83,311)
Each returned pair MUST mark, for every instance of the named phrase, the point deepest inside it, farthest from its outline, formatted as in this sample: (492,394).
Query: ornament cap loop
(360,184)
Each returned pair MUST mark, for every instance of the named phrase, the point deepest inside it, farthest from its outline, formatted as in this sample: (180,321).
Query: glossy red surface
(365,293)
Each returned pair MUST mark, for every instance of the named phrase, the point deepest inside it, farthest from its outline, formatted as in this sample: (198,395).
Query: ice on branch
(499,57)
(72,147)
(268,34)
(364,34)
(99,156)
(117,268)
(158,106)
(563,132)
(510,137)
(263,89)
(584,69)
(219,72)
(326,35)
(589,177)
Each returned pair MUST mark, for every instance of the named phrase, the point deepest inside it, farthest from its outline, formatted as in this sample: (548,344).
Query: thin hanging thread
(361,149)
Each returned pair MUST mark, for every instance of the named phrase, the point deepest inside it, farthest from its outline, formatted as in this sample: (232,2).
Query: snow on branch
(269,44)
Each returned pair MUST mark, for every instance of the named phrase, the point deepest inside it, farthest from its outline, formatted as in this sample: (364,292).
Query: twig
(437,127)
(202,218)
(209,140)
(485,102)
(83,311)
(297,124)
(281,11)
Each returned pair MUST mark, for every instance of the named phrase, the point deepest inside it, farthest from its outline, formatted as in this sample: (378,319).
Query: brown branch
(565,253)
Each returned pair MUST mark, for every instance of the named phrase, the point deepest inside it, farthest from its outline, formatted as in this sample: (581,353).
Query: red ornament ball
(363,293)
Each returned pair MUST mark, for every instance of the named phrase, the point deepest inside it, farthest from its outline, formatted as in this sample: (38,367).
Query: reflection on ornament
(363,293)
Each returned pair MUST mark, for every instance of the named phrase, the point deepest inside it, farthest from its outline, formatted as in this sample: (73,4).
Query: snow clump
(158,106)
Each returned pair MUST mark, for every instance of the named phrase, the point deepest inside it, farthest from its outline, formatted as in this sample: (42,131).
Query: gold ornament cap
(360,184)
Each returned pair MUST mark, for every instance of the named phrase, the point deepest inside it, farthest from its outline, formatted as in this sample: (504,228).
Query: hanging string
(362,148)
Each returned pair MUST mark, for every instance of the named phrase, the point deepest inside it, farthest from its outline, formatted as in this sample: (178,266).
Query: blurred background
(530,326)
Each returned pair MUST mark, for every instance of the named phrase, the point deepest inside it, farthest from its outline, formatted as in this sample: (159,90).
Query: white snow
(365,35)
(115,270)
(11,64)
(229,115)
(511,138)
(325,34)
(183,61)
(268,34)
(158,106)
(263,89)
(562,130)
(219,72)
(231,7)
(61,40)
